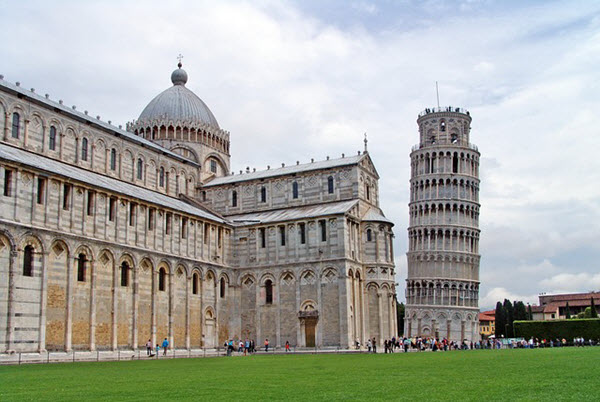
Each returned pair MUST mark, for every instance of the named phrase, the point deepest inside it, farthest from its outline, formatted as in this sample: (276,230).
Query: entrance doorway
(309,331)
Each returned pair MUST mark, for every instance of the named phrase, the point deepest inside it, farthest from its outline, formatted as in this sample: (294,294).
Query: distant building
(487,323)
(554,307)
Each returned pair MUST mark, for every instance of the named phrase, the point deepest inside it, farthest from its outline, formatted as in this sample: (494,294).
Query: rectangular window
(263,237)
(282,235)
(184,225)
(302,230)
(66,196)
(7,182)
(112,206)
(213,166)
(91,200)
(169,221)
(132,210)
(41,190)
(151,218)
(220,237)
(323,226)
(206,232)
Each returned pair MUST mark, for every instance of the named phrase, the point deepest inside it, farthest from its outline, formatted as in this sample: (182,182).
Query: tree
(510,317)
(593,312)
(567,312)
(500,320)
(520,311)
(529,313)
(400,317)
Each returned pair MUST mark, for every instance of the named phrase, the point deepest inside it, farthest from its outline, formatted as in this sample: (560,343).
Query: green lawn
(543,374)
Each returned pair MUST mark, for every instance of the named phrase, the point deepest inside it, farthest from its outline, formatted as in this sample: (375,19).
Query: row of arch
(445,162)
(89,150)
(184,133)
(444,188)
(442,294)
(435,214)
(444,240)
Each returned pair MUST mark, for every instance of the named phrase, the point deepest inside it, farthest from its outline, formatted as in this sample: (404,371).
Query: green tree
(529,313)
(500,320)
(587,313)
(520,311)
(510,317)
(593,309)
(567,312)
(400,317)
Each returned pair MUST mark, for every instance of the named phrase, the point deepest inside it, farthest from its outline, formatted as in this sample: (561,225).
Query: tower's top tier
(444,126)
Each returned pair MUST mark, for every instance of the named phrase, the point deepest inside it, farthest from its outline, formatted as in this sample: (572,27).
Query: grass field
(542,374)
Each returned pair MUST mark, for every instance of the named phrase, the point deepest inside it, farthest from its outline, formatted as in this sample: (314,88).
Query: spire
(179,58)
(366,141)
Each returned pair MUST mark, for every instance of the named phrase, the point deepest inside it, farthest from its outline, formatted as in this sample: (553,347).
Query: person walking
(165,346)
(287,346)
(266,345)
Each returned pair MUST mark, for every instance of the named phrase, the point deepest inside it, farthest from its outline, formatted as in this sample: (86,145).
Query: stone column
(114,307)
(187,312)
(171,276)
(43,303)
(69,315)
(278,322)
(380,302)
(92,305)
(258,326)
(136,302)
(10,330)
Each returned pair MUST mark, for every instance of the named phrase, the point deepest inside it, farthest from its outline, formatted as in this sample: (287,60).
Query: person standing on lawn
(149,347)
(266,345)
(165,346)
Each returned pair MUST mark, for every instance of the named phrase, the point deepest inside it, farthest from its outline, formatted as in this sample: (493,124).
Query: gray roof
(52,166)
(305,167)
(177,105)
(288,214)
(77,115)
(374,215)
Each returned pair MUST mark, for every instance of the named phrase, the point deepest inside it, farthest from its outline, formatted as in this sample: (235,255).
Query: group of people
(165,347)
(417,343)
(248,346)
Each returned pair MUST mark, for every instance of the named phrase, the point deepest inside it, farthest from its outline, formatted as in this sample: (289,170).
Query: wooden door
(309,330)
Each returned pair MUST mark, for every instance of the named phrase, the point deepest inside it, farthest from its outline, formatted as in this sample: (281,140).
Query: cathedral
(110,236)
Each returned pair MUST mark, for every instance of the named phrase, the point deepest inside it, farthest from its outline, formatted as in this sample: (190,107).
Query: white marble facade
(110,237)
(442,287)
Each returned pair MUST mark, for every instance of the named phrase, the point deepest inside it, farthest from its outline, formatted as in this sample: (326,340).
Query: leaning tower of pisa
(442,287)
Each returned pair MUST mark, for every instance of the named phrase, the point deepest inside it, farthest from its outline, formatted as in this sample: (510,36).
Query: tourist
(240,346)
(374,346)
(165,346)
(266,345)
(369,345)
(149,347)
(157,350)
(386,345)
(252,346)
(246,347)
(287,346)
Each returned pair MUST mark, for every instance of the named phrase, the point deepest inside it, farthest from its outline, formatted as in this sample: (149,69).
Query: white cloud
(290,86)
(568,282)
(495,295)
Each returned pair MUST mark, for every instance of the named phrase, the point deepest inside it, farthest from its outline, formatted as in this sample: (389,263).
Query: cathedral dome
(177,106)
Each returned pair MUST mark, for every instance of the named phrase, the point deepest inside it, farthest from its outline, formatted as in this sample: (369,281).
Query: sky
(299,80)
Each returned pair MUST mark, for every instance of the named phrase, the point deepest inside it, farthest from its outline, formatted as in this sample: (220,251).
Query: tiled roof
(97,180)
(373,215)
(305,167)
(82,116)
(287,214)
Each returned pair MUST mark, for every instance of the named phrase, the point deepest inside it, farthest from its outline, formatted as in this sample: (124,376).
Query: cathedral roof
(53,166)
(282,171)
(374,215)
(177,106)
(287,214)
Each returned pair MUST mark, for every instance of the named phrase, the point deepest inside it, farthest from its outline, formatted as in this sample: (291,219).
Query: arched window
(195,283)
(140,168)
(52,139)
(369,235)
(162,276)
(368,192)
(16,120)
(432,139)
(161,177)
(330,184)
(28,261)
(442,125)
(113,159)
(263,194)
(268,292)
(295,190)
(81,268)
(234,198)
(455,163)
(222,288)
(84,149)
(124,274)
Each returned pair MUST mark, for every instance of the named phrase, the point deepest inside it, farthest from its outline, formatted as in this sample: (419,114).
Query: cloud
(295,81)
(568,282)
(495,295)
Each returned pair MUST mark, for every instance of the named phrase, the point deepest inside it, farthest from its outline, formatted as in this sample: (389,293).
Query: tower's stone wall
(442,287)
